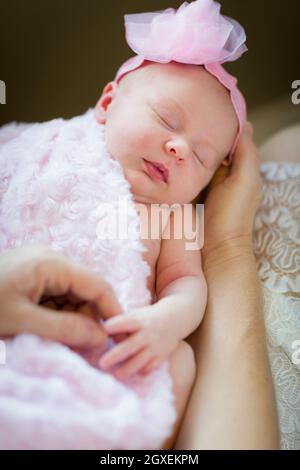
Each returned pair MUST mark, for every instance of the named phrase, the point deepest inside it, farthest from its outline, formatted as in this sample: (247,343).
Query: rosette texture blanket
(54,176)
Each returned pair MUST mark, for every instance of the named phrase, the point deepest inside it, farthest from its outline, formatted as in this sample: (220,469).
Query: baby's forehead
(180,78)
(203,99)
(187,83)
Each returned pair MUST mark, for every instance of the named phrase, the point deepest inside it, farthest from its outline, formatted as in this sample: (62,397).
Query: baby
(169,144)
(153,119)
(170,123)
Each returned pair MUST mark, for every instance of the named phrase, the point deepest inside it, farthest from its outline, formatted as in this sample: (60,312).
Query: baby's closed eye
(166,121)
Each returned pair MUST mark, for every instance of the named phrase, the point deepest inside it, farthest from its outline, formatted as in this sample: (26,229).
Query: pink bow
(194,34)
(197,34)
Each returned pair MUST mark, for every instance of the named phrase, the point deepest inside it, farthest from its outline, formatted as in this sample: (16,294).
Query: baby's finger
(121,352)
(133,365)
(153,364)
(121,324)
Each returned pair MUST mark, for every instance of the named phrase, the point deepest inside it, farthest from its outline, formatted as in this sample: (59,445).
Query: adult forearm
(233,392)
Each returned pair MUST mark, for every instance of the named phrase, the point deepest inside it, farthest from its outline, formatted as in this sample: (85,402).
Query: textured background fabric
(276,241)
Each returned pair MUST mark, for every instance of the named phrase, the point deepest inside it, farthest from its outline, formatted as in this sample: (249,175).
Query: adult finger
(66,327)
(246,157)
(62,276)
(219,176)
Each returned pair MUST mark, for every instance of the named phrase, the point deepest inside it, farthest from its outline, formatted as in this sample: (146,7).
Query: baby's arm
(156,330)
(181,287)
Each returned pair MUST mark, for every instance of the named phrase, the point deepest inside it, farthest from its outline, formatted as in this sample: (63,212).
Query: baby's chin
(139,186)
(146,191)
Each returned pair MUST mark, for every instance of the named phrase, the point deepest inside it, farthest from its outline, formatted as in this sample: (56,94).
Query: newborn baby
(175,115)
(171,116)
(170,124)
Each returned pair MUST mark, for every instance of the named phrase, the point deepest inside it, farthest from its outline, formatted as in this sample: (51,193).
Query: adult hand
(29,273)
(232,198)
(231,341)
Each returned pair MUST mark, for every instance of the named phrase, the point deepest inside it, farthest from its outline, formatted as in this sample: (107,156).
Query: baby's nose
(177,148)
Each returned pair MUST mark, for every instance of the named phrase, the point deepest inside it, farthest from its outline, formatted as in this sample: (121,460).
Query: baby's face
(176,115)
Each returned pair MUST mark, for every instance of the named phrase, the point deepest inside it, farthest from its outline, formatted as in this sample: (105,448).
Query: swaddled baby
(172,116)
(170,123)
(164,123)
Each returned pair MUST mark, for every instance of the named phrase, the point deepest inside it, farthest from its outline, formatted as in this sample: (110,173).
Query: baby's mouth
(155,172)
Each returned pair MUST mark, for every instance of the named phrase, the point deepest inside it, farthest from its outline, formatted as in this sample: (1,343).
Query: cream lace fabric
(277,250)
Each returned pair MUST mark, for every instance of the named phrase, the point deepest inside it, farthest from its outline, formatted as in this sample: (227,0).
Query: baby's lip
(162,168)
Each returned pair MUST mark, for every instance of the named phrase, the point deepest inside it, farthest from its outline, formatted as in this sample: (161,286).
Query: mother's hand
(29,273)
(232,198)
(231,341)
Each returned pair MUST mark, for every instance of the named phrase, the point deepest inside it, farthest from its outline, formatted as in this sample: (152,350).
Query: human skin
(28,273)
(141,122)
(180,284)
(232,404)
(247,388)
(232,280)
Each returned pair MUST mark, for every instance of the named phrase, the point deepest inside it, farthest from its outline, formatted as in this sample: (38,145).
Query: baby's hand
(152,339)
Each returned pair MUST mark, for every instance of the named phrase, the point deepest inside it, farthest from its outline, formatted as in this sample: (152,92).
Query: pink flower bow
(196,34)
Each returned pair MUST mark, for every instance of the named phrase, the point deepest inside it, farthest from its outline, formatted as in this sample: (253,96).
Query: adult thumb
(245,162)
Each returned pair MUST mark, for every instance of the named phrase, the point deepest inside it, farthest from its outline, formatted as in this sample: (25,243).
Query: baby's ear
(108,94)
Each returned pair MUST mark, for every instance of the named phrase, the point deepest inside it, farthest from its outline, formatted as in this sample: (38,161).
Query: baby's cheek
(134,134)
(120,141)
(146,140)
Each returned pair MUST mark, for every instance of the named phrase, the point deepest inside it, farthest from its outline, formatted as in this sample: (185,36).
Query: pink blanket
(53,176)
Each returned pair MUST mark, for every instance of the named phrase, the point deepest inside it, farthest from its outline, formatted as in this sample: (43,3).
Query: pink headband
(194,34)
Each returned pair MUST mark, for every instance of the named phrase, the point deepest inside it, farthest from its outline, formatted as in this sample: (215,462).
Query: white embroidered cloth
(277,249)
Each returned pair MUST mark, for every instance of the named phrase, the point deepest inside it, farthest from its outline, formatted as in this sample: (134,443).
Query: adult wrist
(228,251)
